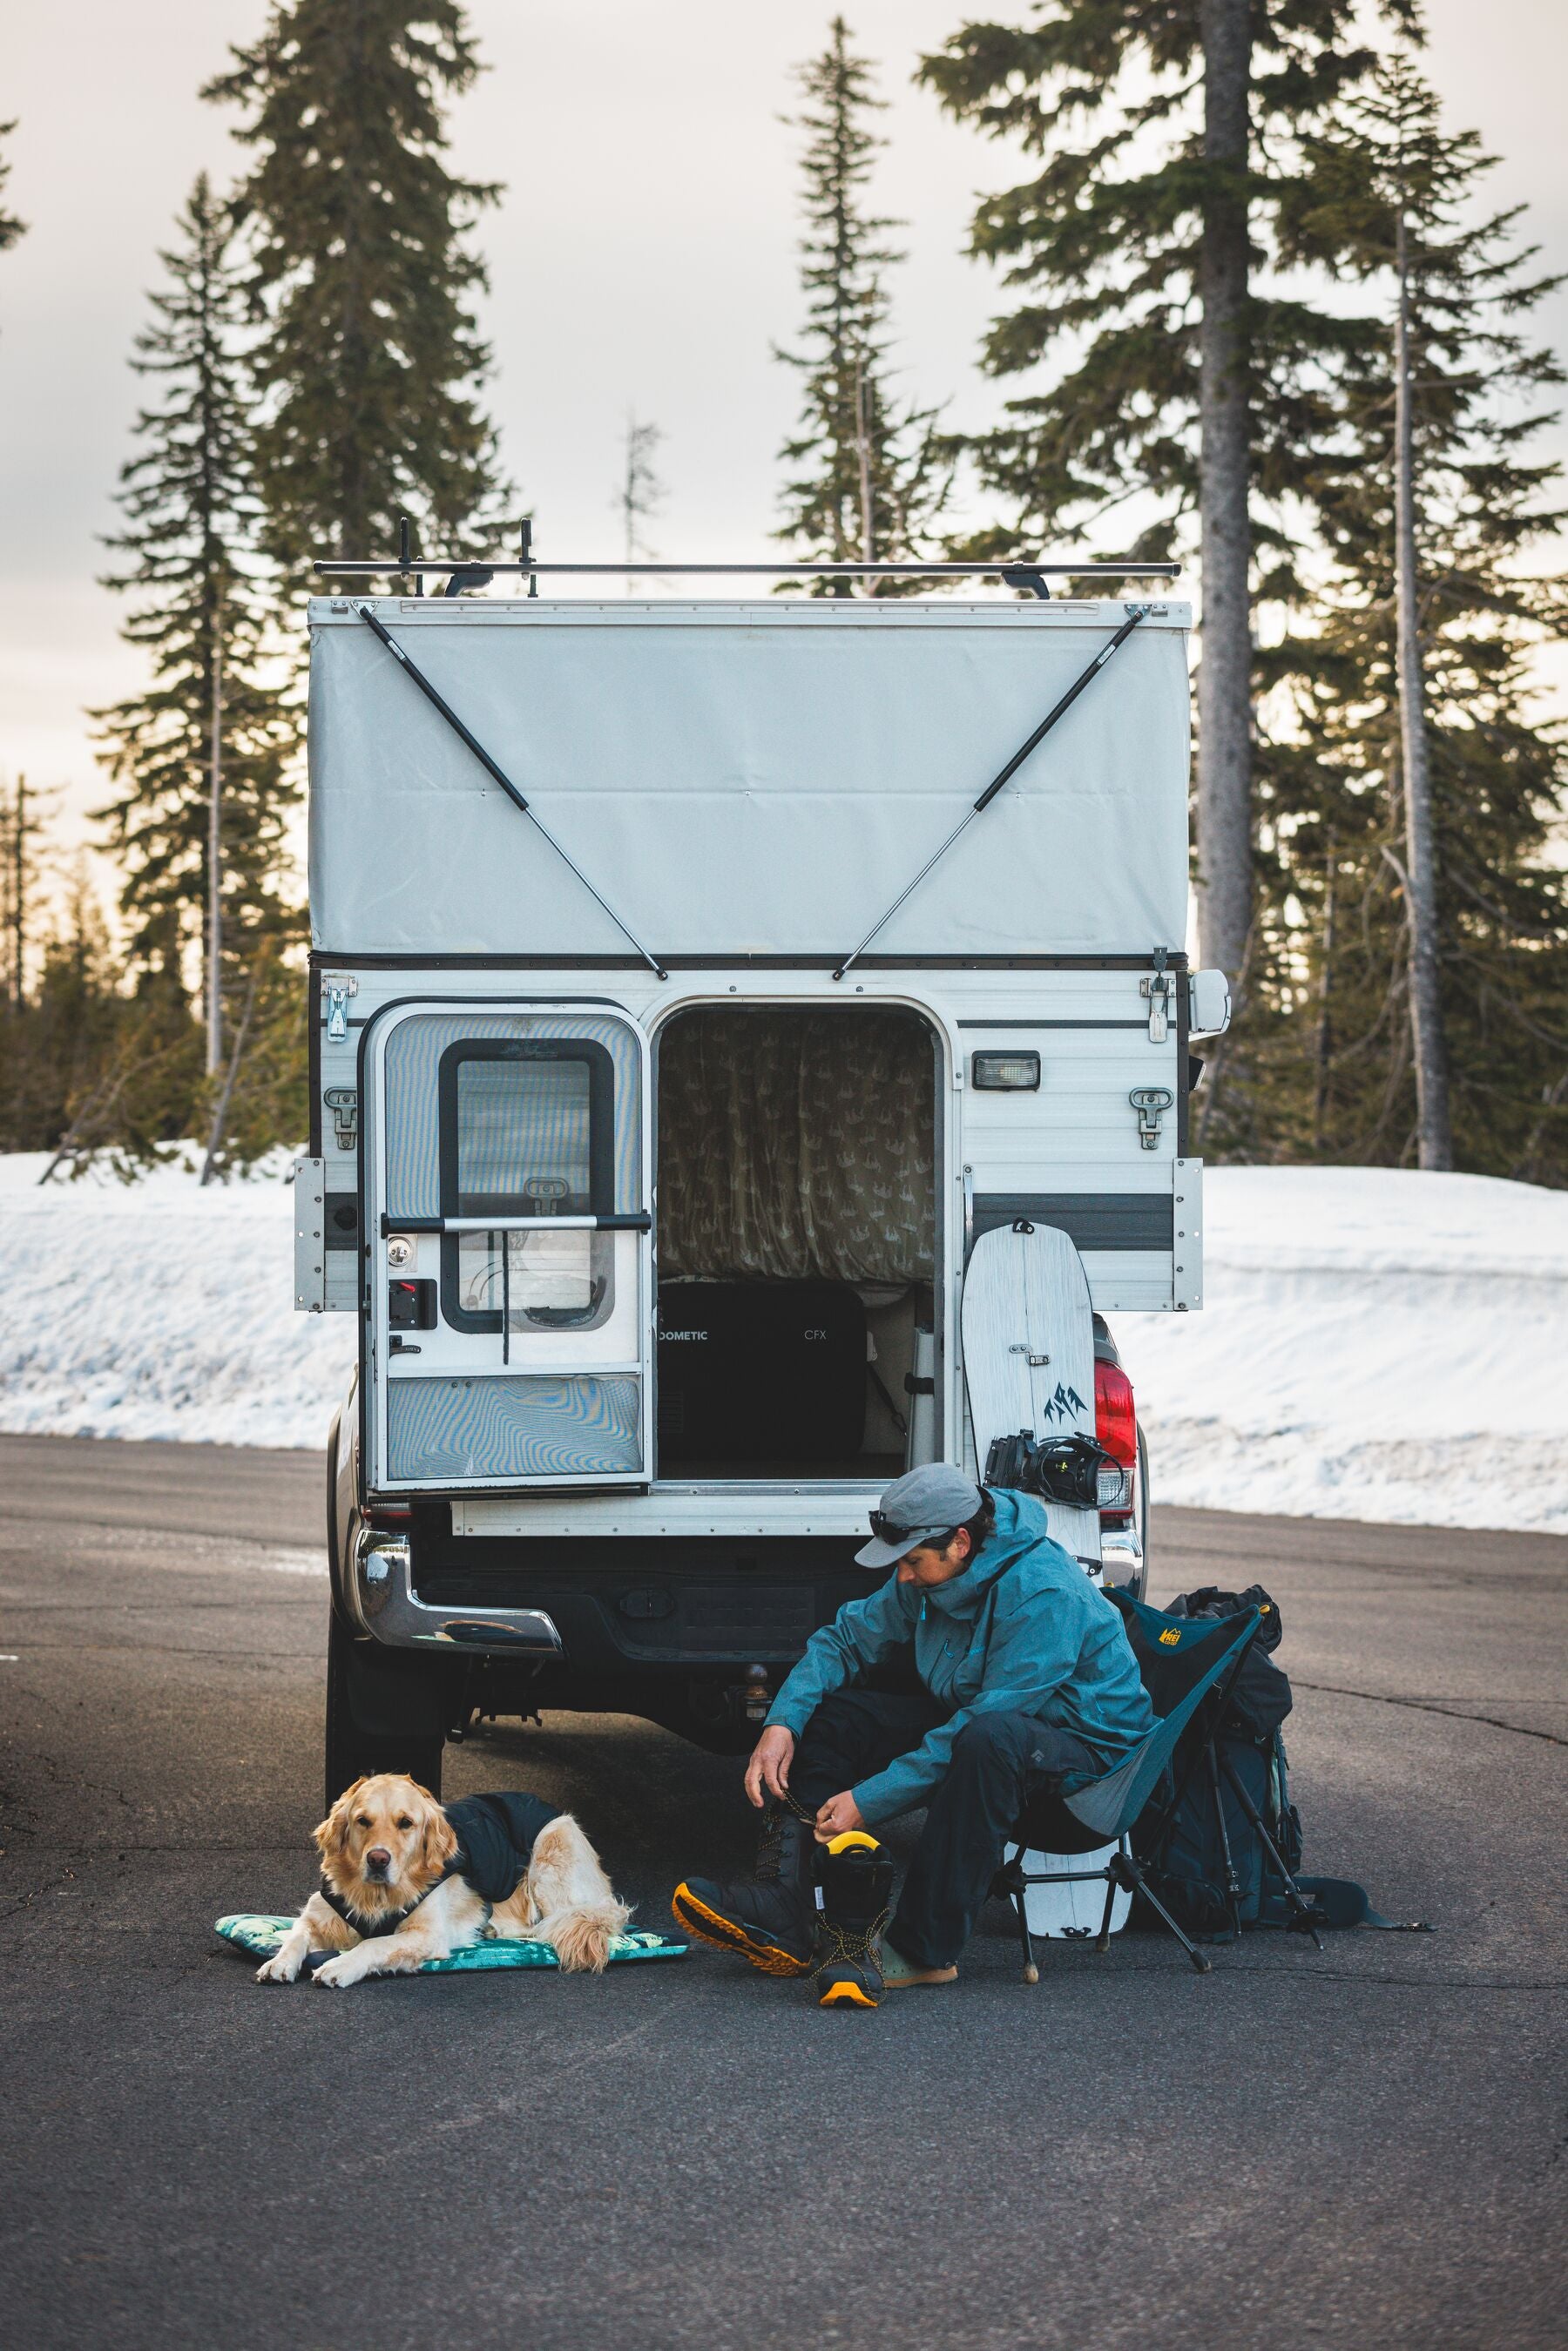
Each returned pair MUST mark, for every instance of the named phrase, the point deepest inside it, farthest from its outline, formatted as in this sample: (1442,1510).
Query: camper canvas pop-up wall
(668,1210)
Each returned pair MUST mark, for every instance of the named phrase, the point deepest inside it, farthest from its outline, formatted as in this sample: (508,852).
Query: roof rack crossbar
(1120,568)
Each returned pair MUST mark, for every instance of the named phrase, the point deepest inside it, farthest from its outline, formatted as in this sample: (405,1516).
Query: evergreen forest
(1253,306)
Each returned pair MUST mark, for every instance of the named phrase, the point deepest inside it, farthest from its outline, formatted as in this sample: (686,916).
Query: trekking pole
(1300,1907)
(1232,1883)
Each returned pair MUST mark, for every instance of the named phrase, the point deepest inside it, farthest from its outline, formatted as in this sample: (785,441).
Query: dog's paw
(279,1969)
(339,1973)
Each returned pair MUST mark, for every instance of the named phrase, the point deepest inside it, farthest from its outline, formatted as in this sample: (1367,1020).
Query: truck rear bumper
(382,1596)
(637,1618)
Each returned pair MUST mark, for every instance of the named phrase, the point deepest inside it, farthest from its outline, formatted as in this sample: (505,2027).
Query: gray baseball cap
(928,1501)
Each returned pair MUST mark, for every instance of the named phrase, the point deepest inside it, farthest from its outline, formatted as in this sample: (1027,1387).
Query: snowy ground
(1373,1344)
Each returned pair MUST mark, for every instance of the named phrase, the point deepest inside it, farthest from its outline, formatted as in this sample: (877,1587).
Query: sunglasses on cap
(889,1530)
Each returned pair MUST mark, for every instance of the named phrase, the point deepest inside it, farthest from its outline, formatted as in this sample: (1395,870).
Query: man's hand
(769,1766)
(837,1816)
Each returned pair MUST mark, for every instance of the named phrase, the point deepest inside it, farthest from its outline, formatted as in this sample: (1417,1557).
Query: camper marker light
(1005,1074)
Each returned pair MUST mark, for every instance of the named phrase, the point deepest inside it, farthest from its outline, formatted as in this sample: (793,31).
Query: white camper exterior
(590,1077)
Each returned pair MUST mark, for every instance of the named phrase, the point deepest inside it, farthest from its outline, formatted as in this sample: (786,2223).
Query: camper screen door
(500,1135)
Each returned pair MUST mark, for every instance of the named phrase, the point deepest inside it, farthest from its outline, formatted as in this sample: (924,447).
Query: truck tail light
(1116,1427)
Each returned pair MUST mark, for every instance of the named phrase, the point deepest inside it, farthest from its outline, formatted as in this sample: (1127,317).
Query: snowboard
(1029,1355)
(1028,1363)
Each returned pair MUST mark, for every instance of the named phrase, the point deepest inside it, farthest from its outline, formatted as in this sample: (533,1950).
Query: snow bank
(155,1309)
(1373,1345)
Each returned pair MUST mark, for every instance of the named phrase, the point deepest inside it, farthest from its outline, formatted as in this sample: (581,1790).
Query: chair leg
(1302,1909)
(1140,1885)
(1113,1886)
(1031,1970)
(1011,1880)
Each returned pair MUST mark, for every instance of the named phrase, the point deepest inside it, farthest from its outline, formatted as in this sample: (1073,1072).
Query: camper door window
(527,1130)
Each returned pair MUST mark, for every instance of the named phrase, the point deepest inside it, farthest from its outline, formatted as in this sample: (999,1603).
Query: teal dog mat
(261,1937)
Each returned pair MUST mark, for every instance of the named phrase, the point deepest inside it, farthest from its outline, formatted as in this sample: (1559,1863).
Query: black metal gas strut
(512,794)
(1135,612)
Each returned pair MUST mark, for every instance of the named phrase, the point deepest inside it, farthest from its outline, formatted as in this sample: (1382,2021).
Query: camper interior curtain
(797,1145)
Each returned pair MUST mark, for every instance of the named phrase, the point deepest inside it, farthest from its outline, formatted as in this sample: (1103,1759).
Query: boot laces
(847,1946)
(770,1845)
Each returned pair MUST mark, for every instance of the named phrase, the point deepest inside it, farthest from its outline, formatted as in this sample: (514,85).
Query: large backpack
(1205,1860)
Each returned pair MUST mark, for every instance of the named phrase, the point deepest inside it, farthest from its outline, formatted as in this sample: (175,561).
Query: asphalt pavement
(1365,2147)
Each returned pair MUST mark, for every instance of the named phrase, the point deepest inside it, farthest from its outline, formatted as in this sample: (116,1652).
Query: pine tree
(371,356)
(871,478)
(190,518)
(11,228)
(20,827)
(640,493)
(1166,134)
(84,1068)
(1446,385)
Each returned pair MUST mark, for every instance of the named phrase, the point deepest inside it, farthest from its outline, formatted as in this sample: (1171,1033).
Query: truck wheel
(353,1753)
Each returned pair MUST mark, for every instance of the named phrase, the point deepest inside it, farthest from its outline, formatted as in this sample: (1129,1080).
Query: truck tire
(354,1752)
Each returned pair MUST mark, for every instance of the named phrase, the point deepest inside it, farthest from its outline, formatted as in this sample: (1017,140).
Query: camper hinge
(310,1177)
(344,1102)
(1160,992)
(1150,1103)
(337,988)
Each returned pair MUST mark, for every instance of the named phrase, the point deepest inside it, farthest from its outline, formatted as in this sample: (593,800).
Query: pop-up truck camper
(684,1202)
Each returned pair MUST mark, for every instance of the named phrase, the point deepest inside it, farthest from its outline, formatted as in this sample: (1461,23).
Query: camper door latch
(343,1102)
(337,988)
(1150,1103)
(1160,992)
(1036,1362)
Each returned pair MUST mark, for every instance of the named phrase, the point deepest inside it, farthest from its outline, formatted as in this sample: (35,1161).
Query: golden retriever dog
(405,1880)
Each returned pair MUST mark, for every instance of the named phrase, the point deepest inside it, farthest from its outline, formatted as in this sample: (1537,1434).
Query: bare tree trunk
(863,450)
(19,897)
(1323,1049)
(1433,1129)
(220,1114)
(1225,676)
(215,860)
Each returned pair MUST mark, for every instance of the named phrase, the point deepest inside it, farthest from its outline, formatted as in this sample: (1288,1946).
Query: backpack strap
(1336,1902)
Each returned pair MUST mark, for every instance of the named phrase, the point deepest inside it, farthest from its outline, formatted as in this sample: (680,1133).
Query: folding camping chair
(1182,1661)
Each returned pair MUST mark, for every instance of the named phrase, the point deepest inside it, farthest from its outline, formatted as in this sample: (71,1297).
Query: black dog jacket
(495,1838)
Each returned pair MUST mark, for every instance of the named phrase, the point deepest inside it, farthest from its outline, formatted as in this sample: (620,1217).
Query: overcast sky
(642,256)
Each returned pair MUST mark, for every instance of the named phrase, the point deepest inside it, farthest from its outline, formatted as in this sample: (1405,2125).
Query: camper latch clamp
(343,1102)
(1161,993)
(1150,1103)
(1036,1362)
(336,987)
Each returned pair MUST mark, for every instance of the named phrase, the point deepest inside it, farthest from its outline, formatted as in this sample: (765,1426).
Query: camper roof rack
(1026,571)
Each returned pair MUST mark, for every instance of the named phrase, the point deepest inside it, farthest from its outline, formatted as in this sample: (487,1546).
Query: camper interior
(797,1242)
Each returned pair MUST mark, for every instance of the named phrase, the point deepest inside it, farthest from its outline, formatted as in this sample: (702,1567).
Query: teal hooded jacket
(1022,1631)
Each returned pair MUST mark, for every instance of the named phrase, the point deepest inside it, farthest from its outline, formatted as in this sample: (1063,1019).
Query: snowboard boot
(856,1879)
(769,1918)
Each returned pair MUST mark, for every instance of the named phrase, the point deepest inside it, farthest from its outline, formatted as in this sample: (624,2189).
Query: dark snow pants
(1001,1763)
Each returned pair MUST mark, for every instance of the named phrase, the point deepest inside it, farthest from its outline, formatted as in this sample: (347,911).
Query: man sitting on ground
(1026,1686)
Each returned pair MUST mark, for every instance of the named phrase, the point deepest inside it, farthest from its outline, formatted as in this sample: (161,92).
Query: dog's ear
(332,1833)
(438,1840)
